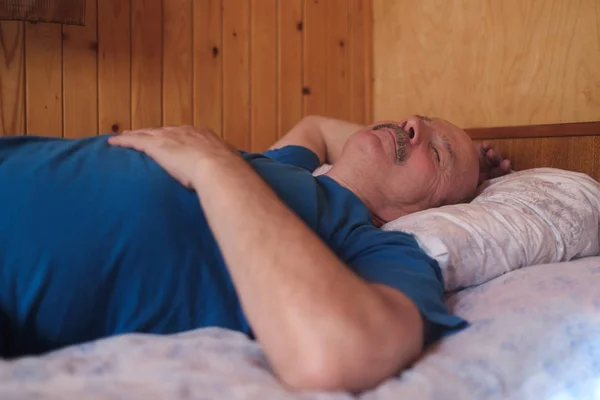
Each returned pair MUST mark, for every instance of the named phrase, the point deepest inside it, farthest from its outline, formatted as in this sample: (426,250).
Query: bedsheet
(534,334)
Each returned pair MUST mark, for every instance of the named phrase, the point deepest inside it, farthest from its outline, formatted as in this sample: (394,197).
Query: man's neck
(369,194)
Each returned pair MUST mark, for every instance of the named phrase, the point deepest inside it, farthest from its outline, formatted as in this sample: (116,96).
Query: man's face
(422,162)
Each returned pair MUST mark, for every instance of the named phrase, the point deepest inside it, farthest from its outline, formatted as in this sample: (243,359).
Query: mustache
(402,138)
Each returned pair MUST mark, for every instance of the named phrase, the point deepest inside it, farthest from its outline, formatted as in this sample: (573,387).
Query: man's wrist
(209,168)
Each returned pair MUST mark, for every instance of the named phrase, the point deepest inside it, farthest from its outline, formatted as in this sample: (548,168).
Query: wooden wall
(494,63)
(488,63)
(249,69)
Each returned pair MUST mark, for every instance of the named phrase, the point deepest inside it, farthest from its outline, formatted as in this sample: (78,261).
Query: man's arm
(320,325)
(324,136)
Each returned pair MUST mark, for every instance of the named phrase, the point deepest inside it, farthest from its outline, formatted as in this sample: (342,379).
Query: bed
(534,318)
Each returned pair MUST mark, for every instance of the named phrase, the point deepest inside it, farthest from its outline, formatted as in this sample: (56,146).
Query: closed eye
(436,154)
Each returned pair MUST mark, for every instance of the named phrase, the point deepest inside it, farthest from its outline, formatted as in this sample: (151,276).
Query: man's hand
(491,163)
(178,150)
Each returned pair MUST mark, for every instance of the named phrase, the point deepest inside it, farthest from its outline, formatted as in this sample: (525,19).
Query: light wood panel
(43,83)
(178,77)
(337,60)
(12,72)
(236,73)
(250,69)
(488,63)
(359,57)
(114,66)
(146,63)
(80,76)
(290,62)
(263,74)
(315,58)
(208,58)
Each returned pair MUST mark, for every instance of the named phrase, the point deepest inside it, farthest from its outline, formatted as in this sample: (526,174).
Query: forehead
(451,133)
(447,128)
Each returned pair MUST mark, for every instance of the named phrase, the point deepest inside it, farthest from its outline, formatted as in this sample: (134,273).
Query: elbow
(324,372)
(354,368)
(311,375)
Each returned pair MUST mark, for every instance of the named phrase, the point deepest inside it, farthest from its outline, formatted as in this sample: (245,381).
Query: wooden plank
(360,59)
(582,154)
(554,153)
(595,172)
(236,73)
(336,41)
(177,76)
(43,82)
(55,11)
(357,60)
(289,69)
(114,66)
(146,63)
(590,128)
(315,58)
(80,76)
(207,61)
(368,60)
(263,75)
(12,82)
(578,153)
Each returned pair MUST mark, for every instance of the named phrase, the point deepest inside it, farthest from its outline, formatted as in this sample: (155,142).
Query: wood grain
(146,63)
(80,76)
(530,131)
(178,53)
(43,86)
(488,63)
(356,65)
(289,67)
(207,61)
(578,153)
(367,60)
(12,83)
(114,66)
(172,62)
(263,74)
(315,57)
(236,73)
(337,58)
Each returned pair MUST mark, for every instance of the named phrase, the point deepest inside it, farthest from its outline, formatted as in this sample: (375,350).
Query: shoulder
(298,156)
(371,243)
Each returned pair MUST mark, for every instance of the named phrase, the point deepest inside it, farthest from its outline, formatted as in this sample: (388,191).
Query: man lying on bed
(97,239)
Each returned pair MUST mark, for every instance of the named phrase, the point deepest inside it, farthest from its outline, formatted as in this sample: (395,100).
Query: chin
(372,146)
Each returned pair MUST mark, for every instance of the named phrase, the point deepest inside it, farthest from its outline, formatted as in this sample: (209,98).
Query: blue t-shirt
(98,240)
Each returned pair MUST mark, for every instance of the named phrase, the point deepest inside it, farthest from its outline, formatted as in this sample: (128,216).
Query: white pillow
(530,217)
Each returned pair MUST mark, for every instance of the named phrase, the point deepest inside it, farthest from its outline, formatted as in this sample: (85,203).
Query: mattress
(534,334)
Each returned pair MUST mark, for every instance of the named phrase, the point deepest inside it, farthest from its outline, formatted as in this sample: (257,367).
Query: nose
(416,129)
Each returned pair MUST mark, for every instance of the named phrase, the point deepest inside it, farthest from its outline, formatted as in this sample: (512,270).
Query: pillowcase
(530,217)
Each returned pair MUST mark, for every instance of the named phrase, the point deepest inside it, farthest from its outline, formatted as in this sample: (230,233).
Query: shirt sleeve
(395,259)
(298,156)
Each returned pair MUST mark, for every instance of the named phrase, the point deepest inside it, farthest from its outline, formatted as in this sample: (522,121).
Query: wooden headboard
(570,146)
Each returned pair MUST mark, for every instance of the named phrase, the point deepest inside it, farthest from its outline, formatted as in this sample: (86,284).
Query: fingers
(146,131)
(485,146)
(137,140)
